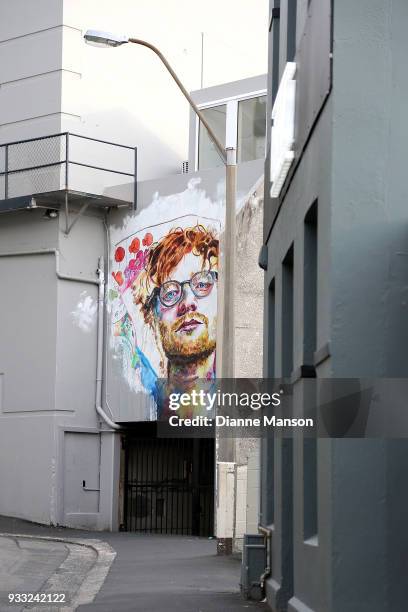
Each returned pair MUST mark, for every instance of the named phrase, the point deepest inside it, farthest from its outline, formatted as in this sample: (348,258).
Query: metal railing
(45,164)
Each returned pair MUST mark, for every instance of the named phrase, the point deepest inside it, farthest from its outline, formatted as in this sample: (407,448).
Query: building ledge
(51,170)
(56,199)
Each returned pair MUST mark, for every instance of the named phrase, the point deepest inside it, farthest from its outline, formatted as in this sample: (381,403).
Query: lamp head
(105,39)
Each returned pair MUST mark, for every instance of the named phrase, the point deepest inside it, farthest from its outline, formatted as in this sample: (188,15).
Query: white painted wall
(225,500)
(51,81)
(30,68)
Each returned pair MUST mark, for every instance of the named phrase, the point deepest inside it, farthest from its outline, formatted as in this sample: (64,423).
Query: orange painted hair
(166,254)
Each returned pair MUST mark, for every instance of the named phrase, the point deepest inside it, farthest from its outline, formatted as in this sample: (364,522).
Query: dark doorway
(169,485)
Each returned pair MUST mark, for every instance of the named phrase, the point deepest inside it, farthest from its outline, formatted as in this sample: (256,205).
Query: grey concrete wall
(28,317)
(353,165)
(95,462)
(299,565)
(48,374)
(368,211)
(248,299)
(368,323)
(248,305)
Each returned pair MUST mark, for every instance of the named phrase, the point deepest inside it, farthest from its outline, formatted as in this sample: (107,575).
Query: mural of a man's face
(188,327)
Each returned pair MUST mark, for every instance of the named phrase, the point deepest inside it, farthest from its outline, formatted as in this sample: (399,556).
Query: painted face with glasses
(185,307)
(171,292)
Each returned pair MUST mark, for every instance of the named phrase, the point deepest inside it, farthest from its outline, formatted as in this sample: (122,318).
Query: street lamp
(225,356)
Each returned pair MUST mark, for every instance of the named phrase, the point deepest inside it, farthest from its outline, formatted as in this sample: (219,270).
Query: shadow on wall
(155,158)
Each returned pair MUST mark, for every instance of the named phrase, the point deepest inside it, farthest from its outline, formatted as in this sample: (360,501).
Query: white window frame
(283,130)
(231,131)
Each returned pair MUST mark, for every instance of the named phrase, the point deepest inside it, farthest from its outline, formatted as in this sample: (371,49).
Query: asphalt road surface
(119,572)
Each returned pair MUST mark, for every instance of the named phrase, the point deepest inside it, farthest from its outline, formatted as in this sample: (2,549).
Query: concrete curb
(94,578)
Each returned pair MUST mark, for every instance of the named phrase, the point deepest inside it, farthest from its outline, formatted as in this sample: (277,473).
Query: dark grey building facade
(335,252)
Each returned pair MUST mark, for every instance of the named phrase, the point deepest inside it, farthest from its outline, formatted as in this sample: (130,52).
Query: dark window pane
(208,156)
(287,314)
(251,129)
(310,286)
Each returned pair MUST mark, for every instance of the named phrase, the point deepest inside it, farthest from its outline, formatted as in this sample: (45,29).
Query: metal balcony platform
(56,199)
(66,169)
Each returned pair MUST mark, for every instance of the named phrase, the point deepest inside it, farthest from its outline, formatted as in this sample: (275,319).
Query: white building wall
(51,81)
(30,68)
(125,94)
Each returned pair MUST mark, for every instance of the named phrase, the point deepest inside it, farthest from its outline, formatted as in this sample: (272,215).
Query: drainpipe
(100,281)
(99,351)
(267,534)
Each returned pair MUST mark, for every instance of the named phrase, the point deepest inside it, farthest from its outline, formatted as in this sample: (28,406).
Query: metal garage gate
(169,486)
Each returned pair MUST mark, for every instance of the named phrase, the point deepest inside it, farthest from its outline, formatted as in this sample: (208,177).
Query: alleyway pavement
(25,565)
(150,573)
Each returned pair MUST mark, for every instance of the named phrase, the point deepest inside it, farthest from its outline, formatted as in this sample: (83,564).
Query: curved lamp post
(225,356)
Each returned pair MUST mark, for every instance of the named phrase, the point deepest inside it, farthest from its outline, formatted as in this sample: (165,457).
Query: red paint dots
(148,239)
(134,245)
(119,254)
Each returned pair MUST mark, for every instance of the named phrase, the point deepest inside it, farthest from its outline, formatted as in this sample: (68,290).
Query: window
(240,123)
(267,443)
(274,51)
(310,285)
(208,156)
(310,465)
(287,314)
(271,331)
(283,130)
(267,505)
(291,32)
(251,129)
(310,516)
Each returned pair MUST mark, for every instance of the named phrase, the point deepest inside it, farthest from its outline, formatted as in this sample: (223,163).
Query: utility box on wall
(225,512)
(253,566)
